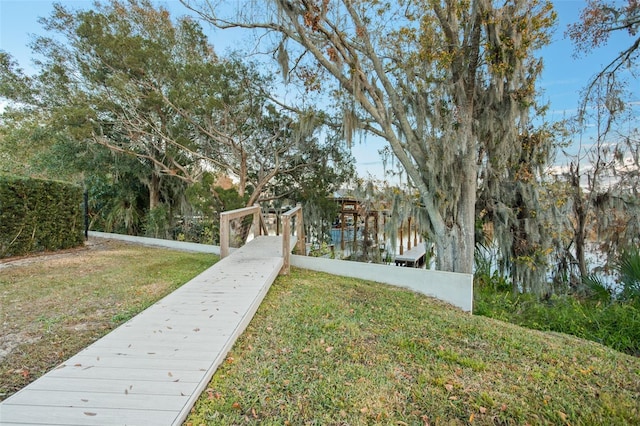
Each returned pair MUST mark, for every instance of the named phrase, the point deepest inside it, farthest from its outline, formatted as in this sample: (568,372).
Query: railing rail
(296,214)
(225,231)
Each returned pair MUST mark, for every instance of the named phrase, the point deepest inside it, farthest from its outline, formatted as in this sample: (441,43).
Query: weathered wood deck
(414,257)
(152,369)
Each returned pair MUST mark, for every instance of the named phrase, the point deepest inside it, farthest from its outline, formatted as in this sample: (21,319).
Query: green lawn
(55,304)
(325,350)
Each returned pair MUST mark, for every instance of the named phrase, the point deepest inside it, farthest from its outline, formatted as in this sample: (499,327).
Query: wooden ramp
(152,369)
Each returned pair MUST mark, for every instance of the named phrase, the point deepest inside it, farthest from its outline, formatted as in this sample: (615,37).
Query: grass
(55,305)
(612,323)
(325,350)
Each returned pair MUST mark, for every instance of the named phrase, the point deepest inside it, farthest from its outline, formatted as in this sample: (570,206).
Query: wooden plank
(158,349)
(90,400)
(72,416)
(175,374)
(143,361)
(137,387)
(160,343)
(242,212)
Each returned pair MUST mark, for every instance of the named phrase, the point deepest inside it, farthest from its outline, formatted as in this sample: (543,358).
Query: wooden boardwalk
(152,369)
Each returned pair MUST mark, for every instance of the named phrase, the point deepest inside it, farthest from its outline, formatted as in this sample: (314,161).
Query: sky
(562,79)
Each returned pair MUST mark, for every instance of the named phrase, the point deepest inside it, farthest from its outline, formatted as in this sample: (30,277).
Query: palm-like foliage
(628,266)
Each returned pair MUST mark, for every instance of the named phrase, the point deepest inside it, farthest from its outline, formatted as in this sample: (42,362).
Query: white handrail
(226,217)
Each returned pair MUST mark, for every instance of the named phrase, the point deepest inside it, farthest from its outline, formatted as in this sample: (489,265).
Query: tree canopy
(126,76)
(447,84)
(141,106)
(603,174)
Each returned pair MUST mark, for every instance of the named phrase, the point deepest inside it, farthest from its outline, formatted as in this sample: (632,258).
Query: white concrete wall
(450,287)
(177,245)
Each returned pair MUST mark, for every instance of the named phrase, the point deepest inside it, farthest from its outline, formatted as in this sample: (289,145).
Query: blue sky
(563,76)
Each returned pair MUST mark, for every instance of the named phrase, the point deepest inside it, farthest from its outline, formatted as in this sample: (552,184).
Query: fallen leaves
(332,370)
(586,371)
(563,416)
(23,372)
(213,394)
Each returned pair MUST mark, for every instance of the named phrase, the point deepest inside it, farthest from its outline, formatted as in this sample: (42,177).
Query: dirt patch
(8,342)
(14,335)
(89,245)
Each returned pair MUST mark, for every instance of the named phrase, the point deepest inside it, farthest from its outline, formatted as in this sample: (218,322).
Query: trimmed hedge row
(39,215)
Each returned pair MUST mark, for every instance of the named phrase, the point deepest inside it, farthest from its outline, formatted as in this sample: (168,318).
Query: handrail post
(286,241)
(256,220)
(300,244)
(224,235)
(263,224)
(300,247)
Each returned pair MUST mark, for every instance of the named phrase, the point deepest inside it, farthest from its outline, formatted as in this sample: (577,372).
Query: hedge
(38,215)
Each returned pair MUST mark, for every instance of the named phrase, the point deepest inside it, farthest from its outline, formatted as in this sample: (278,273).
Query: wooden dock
(414,257)
(152,369)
